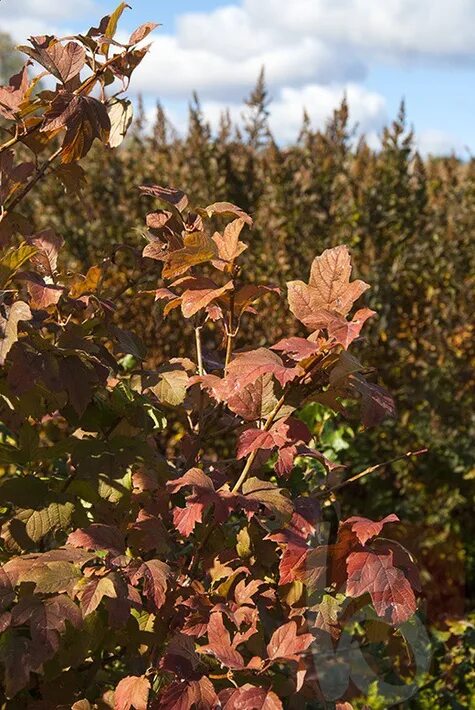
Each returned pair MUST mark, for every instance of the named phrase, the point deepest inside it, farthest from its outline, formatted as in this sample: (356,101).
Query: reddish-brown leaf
(155,575)
(346,331)
(132,692)
(184,695)
(249,697)
(193,300)
(227,209)
(198,248)
(297,348)
(374,573)
(42,295)
(62,61)
(219,643)
(285,644)
(292,560)
(48,244)
(229,246)
(176,198)
(247,367)
(365,529)
(376,402)
(329,289)
(85,119)
(98,537)
(12,96)
(141,32)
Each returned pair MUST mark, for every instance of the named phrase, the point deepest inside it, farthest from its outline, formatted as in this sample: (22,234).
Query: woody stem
(253,454)
(39,174)
(199,352)
(371,469)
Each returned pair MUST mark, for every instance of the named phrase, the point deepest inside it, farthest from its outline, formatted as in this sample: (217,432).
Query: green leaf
(112,25)
(171,388)
(14,260)
(52,577)
(57,516)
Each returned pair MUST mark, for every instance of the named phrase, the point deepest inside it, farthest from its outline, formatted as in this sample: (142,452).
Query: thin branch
(38,175)
(230,333)
(269,422)
(367,471)
(199,352)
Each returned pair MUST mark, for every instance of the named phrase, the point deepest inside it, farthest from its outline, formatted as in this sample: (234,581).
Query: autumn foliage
(164,543)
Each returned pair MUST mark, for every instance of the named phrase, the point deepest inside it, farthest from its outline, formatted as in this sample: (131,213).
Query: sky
(374,52)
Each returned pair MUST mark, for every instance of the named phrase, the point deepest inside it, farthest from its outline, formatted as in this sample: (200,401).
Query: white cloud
(392,27)
(55,10)
(23,18)
(436,142)
(219,53)
(173,69)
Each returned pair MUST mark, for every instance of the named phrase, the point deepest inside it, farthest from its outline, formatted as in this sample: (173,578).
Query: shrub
(167,538)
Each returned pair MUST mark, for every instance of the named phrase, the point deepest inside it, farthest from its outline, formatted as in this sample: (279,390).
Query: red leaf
(376,402)
(293,558)
(297,348)
(11,96)
(249,697)
(48,244)
(132,692)
(328,292)
(98,537)
(391,593)
(247,367)
(286,644)
(219,643)
(196,694)
(195,299)
(253,439)
(141,32)
(365,529)
(345,331)
(185,519)
(155,575)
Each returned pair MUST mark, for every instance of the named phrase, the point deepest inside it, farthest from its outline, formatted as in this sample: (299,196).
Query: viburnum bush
(170,537)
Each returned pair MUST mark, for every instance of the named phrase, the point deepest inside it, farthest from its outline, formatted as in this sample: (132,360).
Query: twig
(269,422)
(230,333)
(199,353)
(39,174)
(367,471)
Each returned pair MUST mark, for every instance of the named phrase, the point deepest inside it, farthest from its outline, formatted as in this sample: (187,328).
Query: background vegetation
(410,224)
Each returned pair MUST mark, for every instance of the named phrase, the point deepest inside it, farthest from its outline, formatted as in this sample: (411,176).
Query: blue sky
(374,51)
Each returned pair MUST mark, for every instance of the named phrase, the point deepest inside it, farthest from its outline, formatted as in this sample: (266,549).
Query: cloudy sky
(314,51)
